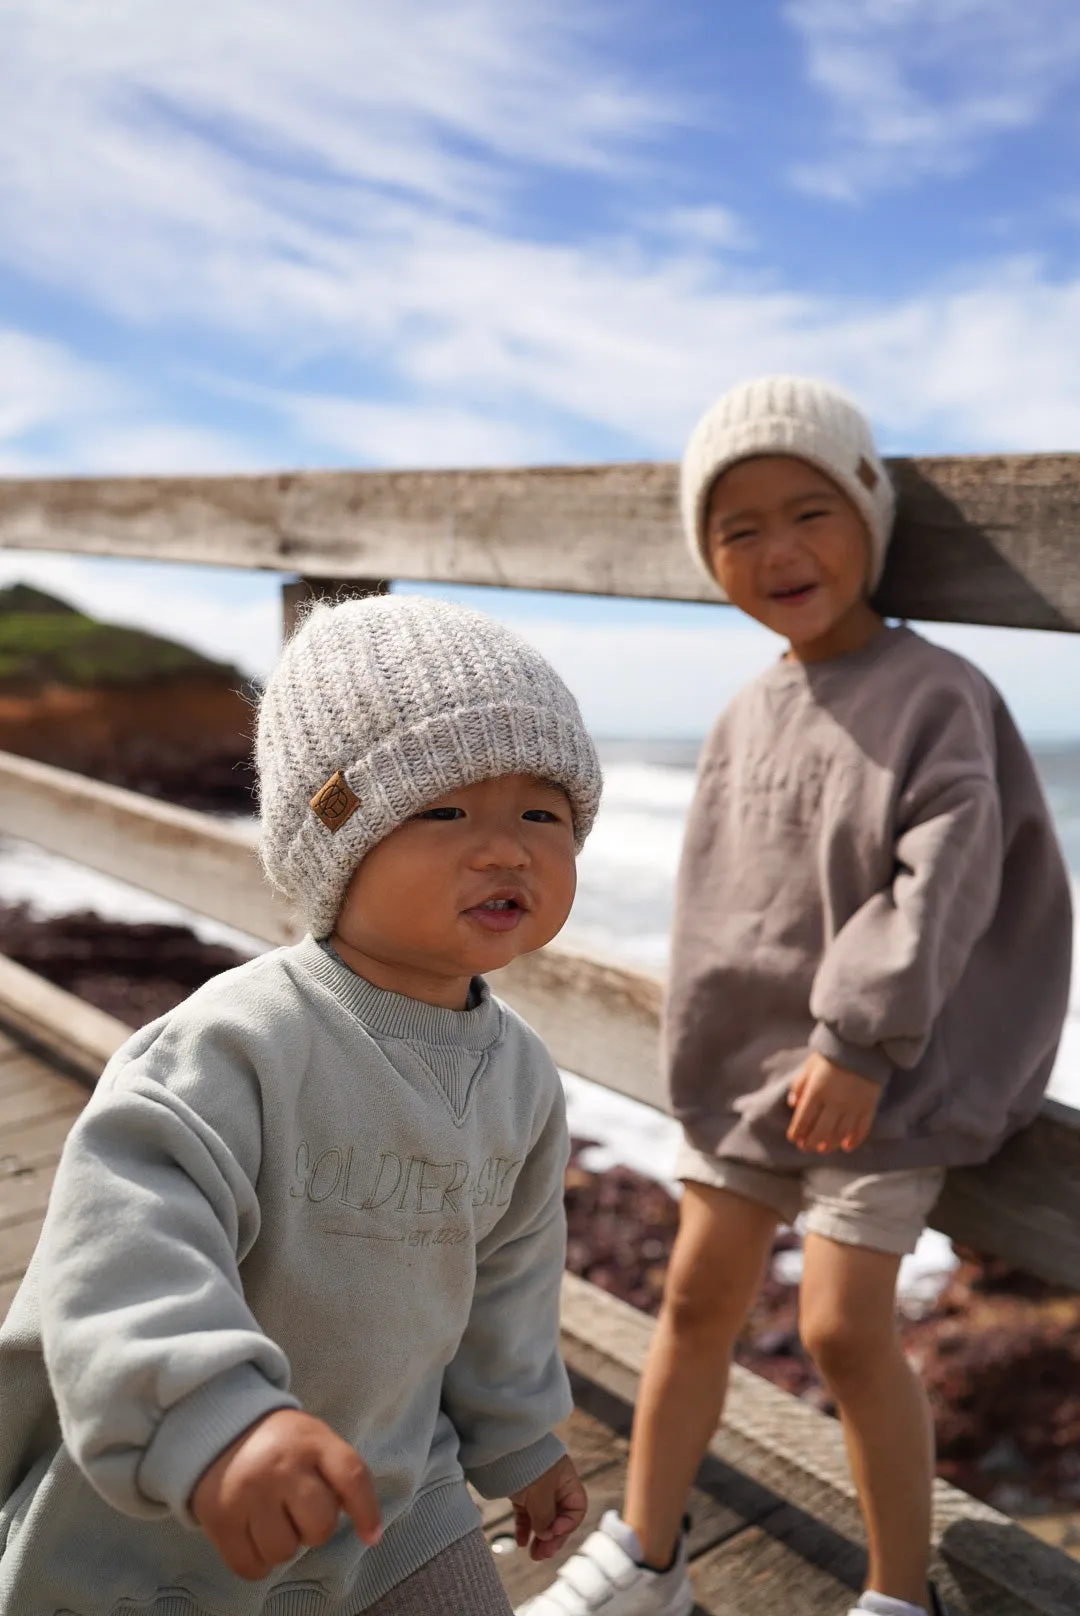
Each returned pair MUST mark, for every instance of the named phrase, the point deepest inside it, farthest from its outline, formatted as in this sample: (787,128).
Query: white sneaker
(603,1577)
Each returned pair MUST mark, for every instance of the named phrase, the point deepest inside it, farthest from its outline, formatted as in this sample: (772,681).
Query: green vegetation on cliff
(44,641)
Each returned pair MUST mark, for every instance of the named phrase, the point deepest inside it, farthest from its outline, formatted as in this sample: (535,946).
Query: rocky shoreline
(999,1351)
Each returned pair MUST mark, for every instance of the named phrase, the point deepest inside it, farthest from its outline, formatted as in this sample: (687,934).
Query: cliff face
(121,705)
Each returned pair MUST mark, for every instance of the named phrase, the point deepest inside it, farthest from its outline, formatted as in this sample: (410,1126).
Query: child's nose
(502,849)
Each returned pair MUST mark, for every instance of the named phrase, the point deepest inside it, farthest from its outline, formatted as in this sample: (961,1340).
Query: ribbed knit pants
(461,1581)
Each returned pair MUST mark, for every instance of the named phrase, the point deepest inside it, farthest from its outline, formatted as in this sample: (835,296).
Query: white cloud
(924,86)
(337,183)
(41,383)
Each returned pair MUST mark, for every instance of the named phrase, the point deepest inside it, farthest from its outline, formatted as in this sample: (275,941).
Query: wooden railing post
(295,595)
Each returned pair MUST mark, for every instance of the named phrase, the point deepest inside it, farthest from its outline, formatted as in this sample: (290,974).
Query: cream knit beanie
(788,415)
(378,707)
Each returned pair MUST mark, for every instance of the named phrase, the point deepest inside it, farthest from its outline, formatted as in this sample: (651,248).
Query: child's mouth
(793,597)
(497,914)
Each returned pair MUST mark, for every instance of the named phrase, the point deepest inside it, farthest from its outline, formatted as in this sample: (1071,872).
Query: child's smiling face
(789,548)
(482,875)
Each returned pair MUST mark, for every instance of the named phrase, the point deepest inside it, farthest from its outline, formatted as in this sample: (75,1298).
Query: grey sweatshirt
(870,871)
(293,1190)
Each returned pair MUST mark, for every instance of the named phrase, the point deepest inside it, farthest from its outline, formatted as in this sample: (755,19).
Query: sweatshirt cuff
(200,1427)
(503,1477)
(869,1062)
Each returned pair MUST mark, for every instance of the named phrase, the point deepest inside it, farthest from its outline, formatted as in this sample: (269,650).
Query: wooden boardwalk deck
(38,1104)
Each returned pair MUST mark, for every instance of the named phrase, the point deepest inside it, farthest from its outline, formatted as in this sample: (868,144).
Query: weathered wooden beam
(187,857)
(79,1033)
(981,539)
(599,1019)
(987,1565)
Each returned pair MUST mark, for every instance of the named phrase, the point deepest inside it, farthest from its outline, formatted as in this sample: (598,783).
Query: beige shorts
(884,1211)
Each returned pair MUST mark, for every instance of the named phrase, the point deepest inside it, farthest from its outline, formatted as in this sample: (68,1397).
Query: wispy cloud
(923,86)
(340,186)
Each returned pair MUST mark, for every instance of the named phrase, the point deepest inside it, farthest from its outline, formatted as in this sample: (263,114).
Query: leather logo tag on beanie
(866,474)
(335,802)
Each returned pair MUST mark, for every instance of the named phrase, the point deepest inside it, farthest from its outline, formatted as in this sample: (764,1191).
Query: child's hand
(834,1108)
(549,1510)
(281,1487)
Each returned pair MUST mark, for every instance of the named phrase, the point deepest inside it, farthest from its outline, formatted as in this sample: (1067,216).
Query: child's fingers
(273,1533)
(314,1507)
(522,1526)
(350,1478)
(803,1122)
(239,1552)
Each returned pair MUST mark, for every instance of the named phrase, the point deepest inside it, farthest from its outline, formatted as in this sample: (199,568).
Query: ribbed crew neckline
(394,1015)
(789,670)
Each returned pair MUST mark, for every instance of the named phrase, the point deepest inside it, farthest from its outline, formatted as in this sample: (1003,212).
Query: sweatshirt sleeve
(890,968)
(506,1387)
(155,1361)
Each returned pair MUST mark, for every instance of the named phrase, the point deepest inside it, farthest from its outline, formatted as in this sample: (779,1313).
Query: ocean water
(623,912)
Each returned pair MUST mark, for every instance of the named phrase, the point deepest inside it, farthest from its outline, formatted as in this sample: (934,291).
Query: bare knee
(702,1313)
(847,1349)
(716,1268)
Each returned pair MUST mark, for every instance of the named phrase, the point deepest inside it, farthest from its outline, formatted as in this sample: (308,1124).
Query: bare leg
(848,1325)
(716,1270)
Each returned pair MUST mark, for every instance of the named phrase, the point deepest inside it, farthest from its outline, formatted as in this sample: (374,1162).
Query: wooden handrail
(599,1019)
(980,539)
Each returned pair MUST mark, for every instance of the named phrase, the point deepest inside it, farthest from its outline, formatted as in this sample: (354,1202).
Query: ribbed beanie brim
(405,699)
(788,415)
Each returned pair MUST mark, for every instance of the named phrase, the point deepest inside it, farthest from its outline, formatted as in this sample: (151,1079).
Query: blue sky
(473,232)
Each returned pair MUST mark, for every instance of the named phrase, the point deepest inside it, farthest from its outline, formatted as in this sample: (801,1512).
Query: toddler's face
(465,886)
(789,548)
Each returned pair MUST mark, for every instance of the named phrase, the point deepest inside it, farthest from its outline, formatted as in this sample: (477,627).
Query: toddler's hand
(834,1108)
(281,1487)
(549,1510)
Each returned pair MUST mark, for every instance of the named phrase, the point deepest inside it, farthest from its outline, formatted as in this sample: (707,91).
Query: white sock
(885,1605)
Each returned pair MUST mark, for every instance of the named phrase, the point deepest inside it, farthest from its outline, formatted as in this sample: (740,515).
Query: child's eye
(541,816)
(440,813)
(812,516)
(737,535)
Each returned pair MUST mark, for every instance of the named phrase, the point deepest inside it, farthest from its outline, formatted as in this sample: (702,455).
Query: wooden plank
(1024,1205)
(17,1242)
(185,856)
(758,1574)
(77,1032)
(24,1192)
(597,1018)
(53,1097)
(8,1288)
(986,539)
(34,1144)
(987,1564)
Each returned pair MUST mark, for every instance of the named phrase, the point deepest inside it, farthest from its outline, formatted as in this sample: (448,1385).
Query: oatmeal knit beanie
(381,705)
(788,415)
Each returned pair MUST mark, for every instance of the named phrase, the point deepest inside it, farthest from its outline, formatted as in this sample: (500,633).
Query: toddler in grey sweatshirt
(299,1277)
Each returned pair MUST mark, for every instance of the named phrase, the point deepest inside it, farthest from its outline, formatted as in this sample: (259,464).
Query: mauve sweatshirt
(870,871)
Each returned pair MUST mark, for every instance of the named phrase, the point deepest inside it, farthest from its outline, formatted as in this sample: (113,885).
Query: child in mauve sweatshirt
(299,1276)
(869,976)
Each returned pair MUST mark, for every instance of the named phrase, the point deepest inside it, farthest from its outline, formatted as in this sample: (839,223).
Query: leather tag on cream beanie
(335,802)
